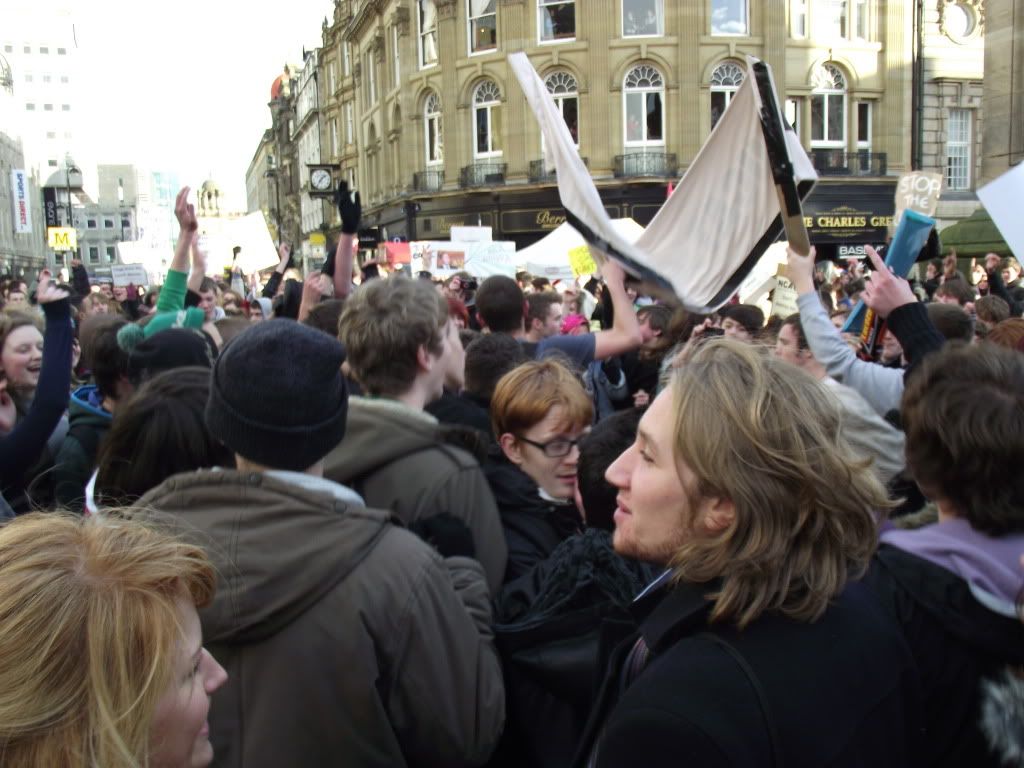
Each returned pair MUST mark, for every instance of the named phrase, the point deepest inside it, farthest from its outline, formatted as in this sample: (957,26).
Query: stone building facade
(420,110)
(21,254)
(1003,99)
(949,95)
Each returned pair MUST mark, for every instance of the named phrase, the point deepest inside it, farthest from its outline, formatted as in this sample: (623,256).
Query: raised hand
(949,266)
(349,208)
(801,269)
(612,273)
(883,291)
(312,289)
(185,211)
(47,292)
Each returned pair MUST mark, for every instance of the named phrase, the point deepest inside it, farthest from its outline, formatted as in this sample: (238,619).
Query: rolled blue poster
(910,237)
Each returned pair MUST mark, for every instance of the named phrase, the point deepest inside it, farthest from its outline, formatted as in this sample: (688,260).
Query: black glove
(349,207)
(445,533)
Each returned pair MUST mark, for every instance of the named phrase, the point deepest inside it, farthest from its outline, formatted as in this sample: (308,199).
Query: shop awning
(974,236)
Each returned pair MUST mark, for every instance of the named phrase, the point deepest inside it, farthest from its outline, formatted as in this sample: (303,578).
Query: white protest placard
(129,274)
(784,296)
(689,247)
(1002,199)
(219,237)
(917,191)
(494,258)
(470,234)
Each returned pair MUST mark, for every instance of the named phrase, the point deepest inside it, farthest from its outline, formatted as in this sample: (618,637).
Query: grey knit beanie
(278,397)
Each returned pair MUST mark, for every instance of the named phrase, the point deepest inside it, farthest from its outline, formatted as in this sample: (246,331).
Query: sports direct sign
(22,209)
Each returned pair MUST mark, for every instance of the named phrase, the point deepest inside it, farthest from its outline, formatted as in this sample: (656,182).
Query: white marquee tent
(549,257)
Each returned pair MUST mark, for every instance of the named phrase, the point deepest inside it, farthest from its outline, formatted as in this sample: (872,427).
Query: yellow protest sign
(581,261)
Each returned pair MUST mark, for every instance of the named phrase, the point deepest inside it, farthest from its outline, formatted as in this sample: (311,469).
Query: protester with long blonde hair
(756,646)
(101,657)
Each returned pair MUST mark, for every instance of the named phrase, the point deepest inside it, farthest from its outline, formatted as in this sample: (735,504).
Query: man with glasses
(539,413)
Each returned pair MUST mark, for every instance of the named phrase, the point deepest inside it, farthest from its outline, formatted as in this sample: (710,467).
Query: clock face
(320,179)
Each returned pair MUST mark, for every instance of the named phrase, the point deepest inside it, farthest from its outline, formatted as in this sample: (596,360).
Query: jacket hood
(378,432)
(513,489)
(279,541)
(953,601)
(990,566)
(86,405)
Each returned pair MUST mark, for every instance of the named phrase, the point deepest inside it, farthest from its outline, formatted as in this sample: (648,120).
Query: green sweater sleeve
(172,295)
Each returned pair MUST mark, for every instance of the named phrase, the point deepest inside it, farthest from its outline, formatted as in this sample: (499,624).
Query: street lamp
(271,173)
(69,168)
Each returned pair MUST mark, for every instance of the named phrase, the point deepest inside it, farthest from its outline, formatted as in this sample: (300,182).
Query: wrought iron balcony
(839,162)
(483,175)
(427,181)
(660,164)
(539,174)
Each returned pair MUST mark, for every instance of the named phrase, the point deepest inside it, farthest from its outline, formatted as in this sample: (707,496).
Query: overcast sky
(184,85)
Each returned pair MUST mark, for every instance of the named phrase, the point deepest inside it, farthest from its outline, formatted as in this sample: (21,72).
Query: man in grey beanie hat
(339,630)
(293,424)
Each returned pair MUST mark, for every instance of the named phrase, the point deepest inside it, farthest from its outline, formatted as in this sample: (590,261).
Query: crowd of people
(381,520)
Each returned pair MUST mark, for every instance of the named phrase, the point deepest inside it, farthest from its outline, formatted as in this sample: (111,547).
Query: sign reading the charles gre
(845,222)
(850,214)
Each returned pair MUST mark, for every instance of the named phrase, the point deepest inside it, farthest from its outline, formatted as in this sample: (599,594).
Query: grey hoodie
(395,457)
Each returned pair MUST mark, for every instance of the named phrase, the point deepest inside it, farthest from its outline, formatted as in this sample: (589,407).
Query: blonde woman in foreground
(101,657)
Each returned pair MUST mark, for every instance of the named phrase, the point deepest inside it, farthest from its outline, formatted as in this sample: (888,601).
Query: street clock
(321,180)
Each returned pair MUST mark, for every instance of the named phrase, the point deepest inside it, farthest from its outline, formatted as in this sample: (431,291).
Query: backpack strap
(755,683)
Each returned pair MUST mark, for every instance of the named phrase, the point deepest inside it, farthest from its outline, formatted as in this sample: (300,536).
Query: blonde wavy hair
(766,435)
(89,628)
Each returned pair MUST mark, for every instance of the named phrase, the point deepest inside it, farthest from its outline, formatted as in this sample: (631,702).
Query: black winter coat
(958,645)
(548,627)
(842,691)
(533,527)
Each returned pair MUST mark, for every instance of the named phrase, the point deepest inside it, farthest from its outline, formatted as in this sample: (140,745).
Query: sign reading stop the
(917,191)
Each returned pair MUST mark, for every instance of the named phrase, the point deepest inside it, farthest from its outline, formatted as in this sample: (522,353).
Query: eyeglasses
(555,449)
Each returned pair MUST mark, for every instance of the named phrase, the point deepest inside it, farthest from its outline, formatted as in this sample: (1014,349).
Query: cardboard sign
(784,295)
(917,191)
(471,234)
(129,274)
(1001,199)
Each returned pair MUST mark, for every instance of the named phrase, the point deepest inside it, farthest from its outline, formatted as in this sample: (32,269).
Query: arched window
(432,126)
(487,120)
(725,81)
(562,87)
(828,108)
(643,107)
